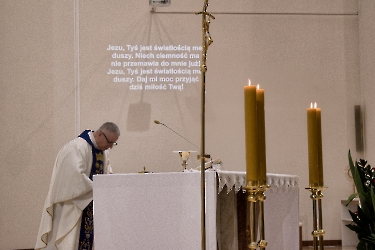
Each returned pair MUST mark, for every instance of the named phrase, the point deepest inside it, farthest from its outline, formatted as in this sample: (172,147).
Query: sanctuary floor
(308,248)
(330,248)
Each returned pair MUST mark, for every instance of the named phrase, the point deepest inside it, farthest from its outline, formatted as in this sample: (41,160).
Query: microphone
(157,122)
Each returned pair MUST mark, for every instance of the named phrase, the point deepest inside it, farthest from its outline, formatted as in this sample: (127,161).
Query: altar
(163,211)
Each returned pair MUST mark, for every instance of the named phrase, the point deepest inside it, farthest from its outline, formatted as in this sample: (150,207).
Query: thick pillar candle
(261,136)
(315,146)
(319,150)
(251,136)
(312,147)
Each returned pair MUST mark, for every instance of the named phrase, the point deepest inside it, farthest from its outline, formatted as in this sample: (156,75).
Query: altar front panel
(153,211)
(162,211)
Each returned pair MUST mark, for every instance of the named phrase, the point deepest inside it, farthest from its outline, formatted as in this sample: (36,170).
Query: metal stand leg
(318,232)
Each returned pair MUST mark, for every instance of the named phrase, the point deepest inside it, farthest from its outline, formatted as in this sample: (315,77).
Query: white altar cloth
(153,211)
(277,182)
(162,211)
(281,210)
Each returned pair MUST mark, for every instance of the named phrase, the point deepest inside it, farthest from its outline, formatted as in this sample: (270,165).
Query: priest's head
(107,135)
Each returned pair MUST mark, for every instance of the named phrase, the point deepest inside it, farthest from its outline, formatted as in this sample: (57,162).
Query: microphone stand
(157,122)
(184,154)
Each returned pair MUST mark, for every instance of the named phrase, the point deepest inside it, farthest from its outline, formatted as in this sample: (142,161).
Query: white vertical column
(77,91)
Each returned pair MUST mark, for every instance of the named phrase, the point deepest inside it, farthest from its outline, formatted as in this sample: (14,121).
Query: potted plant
(364,219)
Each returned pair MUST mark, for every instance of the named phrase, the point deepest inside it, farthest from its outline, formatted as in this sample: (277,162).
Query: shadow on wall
(139,115)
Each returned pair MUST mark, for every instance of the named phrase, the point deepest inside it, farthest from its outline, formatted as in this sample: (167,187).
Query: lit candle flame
(249,81)
(313,105)
(257,86)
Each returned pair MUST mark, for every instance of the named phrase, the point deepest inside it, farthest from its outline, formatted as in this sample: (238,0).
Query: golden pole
(252,197)
(206,17)
(321,231)
(315,224)
(318,232)
(261,197)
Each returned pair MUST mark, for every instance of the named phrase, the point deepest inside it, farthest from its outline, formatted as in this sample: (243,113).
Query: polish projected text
(155,67)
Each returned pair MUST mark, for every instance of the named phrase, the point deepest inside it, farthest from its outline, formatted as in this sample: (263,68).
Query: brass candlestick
(318,232)
(252,198)
(261,197)
(256,196)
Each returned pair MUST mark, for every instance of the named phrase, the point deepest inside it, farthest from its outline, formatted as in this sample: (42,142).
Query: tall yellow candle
(312,132)
(319,150)
(251,136)
(261,136)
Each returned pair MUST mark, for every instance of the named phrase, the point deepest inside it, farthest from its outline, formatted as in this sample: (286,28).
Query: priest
(67,219)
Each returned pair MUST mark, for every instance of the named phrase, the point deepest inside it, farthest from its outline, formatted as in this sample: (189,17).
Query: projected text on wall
(155,67)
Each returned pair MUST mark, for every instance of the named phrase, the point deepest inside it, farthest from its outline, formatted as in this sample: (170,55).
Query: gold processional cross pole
(206,18)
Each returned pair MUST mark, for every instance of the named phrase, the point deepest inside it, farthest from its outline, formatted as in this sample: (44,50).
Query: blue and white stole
(86,237)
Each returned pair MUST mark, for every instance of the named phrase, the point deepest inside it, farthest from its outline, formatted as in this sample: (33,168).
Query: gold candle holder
(318,232)
(256,196)
(252,198)
(261,198)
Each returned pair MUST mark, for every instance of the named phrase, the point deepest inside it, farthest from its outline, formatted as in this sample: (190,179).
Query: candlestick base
(253,245)
(262,244)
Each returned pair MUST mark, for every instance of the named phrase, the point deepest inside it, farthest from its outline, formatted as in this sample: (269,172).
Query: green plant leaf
(361,245)
(365,203)
(355,228)
(351,198)
(357,179)
(364,219)
(363,196)
(373,199)
(361,221)
(370,239)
